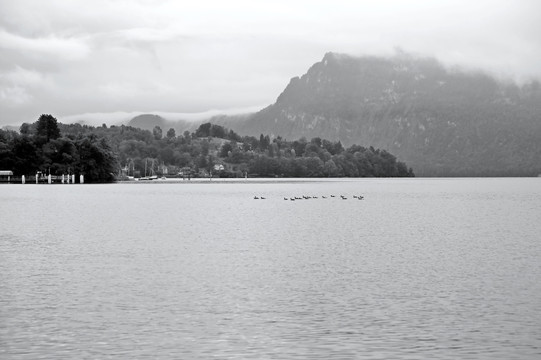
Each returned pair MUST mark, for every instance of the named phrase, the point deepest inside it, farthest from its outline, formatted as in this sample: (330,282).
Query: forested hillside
(441,121)
(105,153)
(43,147)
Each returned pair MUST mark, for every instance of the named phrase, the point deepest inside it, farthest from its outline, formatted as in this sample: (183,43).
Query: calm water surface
(421,268)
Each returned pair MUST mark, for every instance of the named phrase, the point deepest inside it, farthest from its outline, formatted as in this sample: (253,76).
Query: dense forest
(104,153)
(42,147)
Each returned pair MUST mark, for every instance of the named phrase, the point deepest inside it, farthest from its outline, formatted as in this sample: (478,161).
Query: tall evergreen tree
(47,127)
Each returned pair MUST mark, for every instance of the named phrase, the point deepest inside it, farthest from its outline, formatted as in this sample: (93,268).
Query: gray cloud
(98,57)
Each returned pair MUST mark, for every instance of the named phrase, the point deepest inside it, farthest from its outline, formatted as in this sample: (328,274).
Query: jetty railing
(43,179)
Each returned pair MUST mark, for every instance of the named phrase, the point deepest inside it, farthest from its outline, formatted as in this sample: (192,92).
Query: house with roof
(5,175)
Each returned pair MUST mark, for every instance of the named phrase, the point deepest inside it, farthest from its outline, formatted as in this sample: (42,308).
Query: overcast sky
(106,61)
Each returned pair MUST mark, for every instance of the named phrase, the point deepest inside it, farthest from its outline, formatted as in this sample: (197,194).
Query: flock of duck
(304,197)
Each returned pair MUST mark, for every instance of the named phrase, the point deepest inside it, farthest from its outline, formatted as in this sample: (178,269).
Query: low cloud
(119,117)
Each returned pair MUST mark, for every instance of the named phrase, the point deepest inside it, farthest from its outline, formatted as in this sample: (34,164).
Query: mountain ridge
(443,122)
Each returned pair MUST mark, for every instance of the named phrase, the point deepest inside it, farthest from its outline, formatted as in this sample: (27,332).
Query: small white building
(6,175)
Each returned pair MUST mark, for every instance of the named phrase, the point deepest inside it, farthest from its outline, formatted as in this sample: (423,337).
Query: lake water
(419,269)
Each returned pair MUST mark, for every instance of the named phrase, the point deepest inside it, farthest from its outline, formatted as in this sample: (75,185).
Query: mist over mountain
(442,122)
(149,121)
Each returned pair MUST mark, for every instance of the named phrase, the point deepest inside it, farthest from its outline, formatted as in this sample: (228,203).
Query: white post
(62,178)
(49,178)
(73,179)
(9,179)
(23,180)
(81,179)
(37,178)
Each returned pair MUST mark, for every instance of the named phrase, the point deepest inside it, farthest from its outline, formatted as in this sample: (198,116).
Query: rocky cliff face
(441,122)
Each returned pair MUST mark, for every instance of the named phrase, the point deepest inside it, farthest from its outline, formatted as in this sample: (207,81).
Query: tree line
(104,153)
(41,147)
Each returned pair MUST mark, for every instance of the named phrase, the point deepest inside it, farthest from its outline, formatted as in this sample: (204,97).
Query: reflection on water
(421,268)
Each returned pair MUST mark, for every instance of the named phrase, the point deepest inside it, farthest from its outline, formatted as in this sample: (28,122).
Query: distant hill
(10,128)
(441,122)
(149,121)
